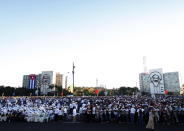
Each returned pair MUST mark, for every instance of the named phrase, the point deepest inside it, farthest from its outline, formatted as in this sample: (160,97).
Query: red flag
(166,92)
(96,91)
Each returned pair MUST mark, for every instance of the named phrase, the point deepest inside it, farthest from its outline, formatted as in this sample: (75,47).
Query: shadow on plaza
(59,126)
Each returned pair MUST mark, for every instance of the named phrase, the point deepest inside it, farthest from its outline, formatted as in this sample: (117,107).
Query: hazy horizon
(106,39)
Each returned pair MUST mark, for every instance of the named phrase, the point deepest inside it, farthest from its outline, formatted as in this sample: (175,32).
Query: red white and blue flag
(32,79)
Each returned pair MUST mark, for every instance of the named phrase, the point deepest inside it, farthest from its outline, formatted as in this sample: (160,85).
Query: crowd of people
(141,111)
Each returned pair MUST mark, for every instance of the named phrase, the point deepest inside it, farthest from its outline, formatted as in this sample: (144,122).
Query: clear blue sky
(106,38)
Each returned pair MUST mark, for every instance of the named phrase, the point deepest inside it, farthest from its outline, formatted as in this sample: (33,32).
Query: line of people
(141,111)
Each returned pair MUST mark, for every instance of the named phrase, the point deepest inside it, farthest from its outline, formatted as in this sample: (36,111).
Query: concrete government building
(156,82)
(42,81)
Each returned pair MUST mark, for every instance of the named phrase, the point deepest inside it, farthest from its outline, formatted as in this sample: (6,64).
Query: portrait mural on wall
(46,79)
(156,81)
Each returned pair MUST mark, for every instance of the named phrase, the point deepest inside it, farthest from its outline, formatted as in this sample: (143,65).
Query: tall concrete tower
(96,82)
(144,65)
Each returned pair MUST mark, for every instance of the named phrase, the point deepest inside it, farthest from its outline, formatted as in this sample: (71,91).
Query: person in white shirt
(93,113)
(65,113)
(132,114)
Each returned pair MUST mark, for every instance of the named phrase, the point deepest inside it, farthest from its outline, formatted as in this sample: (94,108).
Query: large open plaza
(57,126)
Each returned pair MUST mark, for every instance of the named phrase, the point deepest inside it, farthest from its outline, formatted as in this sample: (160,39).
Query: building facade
(59,80)
(25,82)
(40,82)
(46,81)
(156,82)
(172,82)
(144,82)
(30,81)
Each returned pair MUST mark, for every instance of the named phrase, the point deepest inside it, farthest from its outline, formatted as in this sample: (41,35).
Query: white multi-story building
(44,82)
(144,82)
(172,82)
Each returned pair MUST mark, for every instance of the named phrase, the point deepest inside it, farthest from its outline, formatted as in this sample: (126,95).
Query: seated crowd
(121,109)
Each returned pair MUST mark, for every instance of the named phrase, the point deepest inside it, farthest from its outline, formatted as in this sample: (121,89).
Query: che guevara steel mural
(156,82)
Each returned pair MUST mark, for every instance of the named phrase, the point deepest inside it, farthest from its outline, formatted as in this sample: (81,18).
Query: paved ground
(58,126)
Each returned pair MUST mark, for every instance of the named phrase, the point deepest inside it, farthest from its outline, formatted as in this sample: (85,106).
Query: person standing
(140,116)
(74,114)
(93,113)
(150,124)
(65,113)
(132,114)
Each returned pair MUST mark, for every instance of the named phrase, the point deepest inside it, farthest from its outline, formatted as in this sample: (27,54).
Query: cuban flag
(31,82)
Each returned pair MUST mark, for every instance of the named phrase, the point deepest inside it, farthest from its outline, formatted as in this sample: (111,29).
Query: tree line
(78,91)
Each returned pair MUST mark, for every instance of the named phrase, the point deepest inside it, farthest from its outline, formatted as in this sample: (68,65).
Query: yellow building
(59,80)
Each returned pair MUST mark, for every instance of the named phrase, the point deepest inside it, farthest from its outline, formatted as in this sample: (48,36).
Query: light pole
(73,72)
